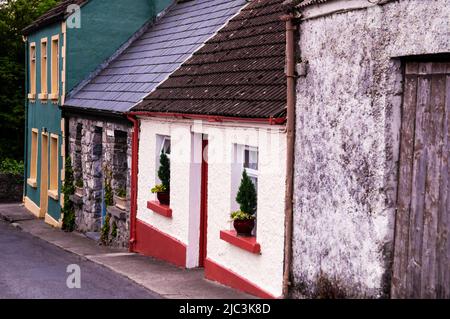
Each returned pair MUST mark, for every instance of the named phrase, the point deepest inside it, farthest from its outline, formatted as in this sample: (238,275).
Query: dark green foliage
(11,166)
(109,200)
(68,189)
(121,192)
(164,171)
(246,196)
(104,237)
(14,16)
(114,229)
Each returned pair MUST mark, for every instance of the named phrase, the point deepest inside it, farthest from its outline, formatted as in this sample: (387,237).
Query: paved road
(33,268)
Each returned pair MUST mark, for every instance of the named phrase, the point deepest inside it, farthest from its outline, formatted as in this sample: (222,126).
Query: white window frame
(33,69)
(250,171)
(44,69)
(54,74)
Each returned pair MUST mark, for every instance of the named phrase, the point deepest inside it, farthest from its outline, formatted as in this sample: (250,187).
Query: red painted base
(215,272)
(152,242)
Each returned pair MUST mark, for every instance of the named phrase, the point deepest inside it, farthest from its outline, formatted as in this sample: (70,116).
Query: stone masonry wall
(101,147)
(347,143)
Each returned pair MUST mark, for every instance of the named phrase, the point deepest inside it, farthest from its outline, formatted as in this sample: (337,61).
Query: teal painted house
(64,46)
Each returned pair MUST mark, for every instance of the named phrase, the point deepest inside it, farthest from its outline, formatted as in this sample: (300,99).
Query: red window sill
(160,209)
(247,243)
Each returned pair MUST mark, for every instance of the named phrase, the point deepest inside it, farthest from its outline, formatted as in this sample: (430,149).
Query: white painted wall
(265,270)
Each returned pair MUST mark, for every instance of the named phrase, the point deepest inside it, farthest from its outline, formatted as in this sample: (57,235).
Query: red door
(204,204)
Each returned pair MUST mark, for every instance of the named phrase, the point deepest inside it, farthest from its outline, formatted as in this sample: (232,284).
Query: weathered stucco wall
(348,122)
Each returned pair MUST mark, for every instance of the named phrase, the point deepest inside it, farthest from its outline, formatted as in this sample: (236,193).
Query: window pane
(166,146)
(251,159)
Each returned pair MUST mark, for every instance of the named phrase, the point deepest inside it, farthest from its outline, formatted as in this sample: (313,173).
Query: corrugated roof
(239,72)
(154,55)
(57,13)
(306,3)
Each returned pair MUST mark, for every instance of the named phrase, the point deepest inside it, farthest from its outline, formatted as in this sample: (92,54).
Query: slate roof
(154,55)
(57,13)
(238,73)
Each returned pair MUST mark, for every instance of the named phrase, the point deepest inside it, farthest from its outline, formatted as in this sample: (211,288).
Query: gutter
(134,175)
(211,118)
(290,135)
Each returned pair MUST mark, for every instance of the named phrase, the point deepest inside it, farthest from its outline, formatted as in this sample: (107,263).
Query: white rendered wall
(264,270)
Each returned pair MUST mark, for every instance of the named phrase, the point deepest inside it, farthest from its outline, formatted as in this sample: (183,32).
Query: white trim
(32,207)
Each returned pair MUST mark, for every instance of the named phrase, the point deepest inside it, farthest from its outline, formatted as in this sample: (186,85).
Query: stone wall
(11,188)
(347,143)
(100,149)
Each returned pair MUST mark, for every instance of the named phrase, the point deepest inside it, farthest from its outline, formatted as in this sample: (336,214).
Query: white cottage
(222,112)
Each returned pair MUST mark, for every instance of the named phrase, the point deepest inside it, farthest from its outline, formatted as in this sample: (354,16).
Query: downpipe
(290,136)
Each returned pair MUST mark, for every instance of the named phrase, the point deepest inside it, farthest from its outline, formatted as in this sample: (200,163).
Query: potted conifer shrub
(244,218)
(163,190)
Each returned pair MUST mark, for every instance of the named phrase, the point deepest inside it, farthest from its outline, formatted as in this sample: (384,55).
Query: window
(250,164)
(165,146)
(43,94)
(244,158)
(55,67)
(53,187)
(32,75)
(33,158)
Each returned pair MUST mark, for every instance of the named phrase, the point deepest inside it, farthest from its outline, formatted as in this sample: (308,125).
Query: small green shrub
(114,230)
(12,166)
(159,189)
(79,183)
(68,189)
(121,192)
(104,237)
(246,198)
(109,201)
(239,215)
(164,171)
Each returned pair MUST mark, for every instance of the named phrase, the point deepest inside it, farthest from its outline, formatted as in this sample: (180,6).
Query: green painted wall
(43,115)
(105,26)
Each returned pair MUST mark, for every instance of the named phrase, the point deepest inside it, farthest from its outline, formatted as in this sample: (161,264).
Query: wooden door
(204,204)
(44,176)
(422,243)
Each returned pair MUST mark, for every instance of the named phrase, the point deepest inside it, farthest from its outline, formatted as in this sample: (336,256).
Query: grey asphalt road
(32,268)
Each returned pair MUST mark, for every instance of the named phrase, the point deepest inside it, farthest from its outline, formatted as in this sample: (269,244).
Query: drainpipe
(134,175)
(290,131)
(25,151)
